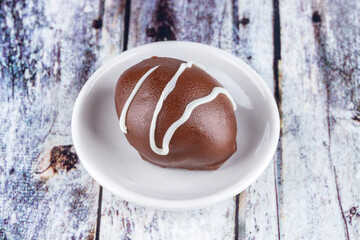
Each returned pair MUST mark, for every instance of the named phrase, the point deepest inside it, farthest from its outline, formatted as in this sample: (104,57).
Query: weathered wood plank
(254,44)
(338,40)
(123,220)
(216,23)
(48,50)
(111,30)
(319,186)
(209,23)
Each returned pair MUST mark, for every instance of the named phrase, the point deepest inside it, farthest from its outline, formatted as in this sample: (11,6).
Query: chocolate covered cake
(176,115)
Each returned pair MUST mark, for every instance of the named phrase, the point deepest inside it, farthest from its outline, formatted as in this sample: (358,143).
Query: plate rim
(184,204)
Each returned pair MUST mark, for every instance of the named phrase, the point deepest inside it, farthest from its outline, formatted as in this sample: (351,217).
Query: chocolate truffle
(175,114)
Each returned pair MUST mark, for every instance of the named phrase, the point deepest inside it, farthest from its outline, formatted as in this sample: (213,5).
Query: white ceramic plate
(111,161)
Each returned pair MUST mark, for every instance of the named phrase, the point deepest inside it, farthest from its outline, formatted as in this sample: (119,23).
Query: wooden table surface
(308,53)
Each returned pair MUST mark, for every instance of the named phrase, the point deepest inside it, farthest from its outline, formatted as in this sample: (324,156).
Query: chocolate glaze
(204,142)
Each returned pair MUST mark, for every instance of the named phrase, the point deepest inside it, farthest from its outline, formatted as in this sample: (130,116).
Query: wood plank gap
(277,198)
(98,220)
(277,93)
(277,49)
(236,40)
(127,24)
(236,228)
(97,24)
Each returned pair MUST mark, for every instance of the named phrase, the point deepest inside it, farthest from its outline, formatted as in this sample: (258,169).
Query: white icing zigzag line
(167,90)
(187,113)
(129,100)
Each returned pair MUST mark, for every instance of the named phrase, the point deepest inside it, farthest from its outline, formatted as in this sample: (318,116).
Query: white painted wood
(320,150)
(209,23)
(123,220)
(255,46)
(112,30)
(340,60)
(46,56)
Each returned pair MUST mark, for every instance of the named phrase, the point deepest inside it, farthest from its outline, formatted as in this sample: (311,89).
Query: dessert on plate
(175,114)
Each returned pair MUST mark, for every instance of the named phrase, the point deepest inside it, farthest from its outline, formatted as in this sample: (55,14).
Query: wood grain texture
(123,220)
(49,48)
(254,44)
(319,194)
(111,33)
(46,57)
(208,22)
(338,41)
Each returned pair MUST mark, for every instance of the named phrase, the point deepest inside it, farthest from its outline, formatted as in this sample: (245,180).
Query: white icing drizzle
(129,100)
(167,90)
(187,113)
